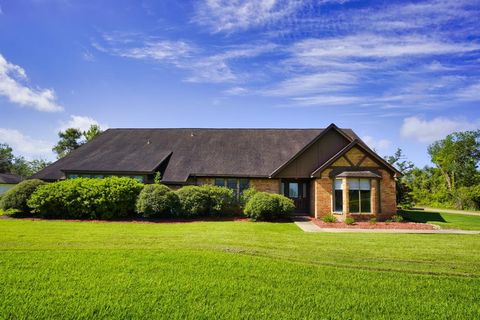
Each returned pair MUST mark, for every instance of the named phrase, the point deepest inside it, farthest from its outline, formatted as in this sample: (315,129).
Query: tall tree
(92,132)
(399,160)
(6,158)
(69,141)
(457,157)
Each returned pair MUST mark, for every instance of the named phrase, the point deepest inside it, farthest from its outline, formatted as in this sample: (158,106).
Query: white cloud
(381,144)
(157,50)
(25,145)
(376,46)
(236,91)
(228,16)
(470,93)
(82,123)
(312,83)
(11,86)
(427,131)
(325,100)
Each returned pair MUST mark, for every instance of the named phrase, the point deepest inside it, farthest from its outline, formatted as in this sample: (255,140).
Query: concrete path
(468,213)
(306,225)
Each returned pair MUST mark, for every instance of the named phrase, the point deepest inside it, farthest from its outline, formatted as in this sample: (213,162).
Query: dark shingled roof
(227,152)
(8,178)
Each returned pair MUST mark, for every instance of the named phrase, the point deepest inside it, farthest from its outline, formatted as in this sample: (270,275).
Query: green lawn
(443,219)
(73,270)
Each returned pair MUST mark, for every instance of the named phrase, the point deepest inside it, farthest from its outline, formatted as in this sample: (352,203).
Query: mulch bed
(377,225)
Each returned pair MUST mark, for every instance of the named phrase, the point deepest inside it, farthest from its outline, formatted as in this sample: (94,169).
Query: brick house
(324,171)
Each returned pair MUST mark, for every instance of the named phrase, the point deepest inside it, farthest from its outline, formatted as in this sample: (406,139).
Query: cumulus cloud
(380,144)
(427,131)
(26,145)
(13,87)
(82,123)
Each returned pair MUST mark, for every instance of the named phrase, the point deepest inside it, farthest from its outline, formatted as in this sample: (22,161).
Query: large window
(338,196)
(235,184)
(359,195)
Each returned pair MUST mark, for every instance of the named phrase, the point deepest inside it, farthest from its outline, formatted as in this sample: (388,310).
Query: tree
(92,132)
(457,157)
(6,158)
(69,141)
(38,164)
(399,160)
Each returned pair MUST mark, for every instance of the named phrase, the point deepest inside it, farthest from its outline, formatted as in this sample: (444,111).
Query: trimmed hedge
(16,198)
(268,206)
(205,200)
(157,200)
(84,198)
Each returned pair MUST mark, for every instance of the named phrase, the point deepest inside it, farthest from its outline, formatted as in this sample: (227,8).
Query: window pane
(338,184)
(243,184)
(293,190)
(364,184)
(282,188)
(232,184)
(365,203)
(220,182)
(353,184)
(354,201)
(338,200)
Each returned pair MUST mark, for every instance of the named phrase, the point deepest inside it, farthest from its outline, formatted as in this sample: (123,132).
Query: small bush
(329,218)
(246,195)
(397,218)
(221,200)
(84,198)
(157,200)
(349,220)
(16,198)
(268,206)
(372,221)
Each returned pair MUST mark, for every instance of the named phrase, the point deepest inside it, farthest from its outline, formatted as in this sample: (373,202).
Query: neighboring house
(323,170)
(8,181)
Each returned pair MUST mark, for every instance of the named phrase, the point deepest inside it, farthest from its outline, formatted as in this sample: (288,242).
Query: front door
(299,192)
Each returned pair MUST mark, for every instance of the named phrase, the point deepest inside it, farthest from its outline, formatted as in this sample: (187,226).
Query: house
(8,181)
(324,171)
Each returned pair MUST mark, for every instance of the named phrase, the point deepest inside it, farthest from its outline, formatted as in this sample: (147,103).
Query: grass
(71,270)
(444,219)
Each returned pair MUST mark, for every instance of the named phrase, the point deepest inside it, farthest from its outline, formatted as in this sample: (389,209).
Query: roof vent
(192,135)
(148,141)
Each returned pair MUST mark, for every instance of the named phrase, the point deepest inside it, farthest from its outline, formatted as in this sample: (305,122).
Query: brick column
(346,208)
(374,196)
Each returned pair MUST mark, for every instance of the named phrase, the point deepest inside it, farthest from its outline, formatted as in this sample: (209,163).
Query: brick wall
(266,185)
(322,195)
(388,196)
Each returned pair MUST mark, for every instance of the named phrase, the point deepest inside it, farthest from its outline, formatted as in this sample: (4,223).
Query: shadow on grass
(422,216)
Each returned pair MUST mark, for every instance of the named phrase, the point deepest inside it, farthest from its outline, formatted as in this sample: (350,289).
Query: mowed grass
(443,219)
(225,270)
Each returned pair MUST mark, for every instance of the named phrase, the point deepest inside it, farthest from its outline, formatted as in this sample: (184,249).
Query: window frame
(335,197)
(359,190)
(238,190)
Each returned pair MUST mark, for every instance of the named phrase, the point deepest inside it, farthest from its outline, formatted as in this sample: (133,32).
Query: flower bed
(377,225)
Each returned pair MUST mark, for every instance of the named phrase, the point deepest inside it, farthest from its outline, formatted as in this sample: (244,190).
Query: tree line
(452,182)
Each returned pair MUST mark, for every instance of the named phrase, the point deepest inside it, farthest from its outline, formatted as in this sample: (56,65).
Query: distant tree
(21,167)
(6,158)
(69,141)
(38,164)
(92,132)
(457,157)
(398,159)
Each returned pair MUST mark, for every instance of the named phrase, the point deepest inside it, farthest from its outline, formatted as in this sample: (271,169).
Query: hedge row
(114,197)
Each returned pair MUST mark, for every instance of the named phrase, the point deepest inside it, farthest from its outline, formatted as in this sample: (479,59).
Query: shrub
(329,218)
(16,198)
(156,200)
(194,201)
(397,218)
(349,220)
(205,200)
(84,198)
(221,200)
(373,221)
(246,195)
(268,206)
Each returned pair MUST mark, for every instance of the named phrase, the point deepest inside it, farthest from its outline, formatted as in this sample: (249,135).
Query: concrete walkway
(306,225)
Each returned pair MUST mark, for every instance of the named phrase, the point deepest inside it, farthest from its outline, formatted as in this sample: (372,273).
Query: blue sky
(401,74)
